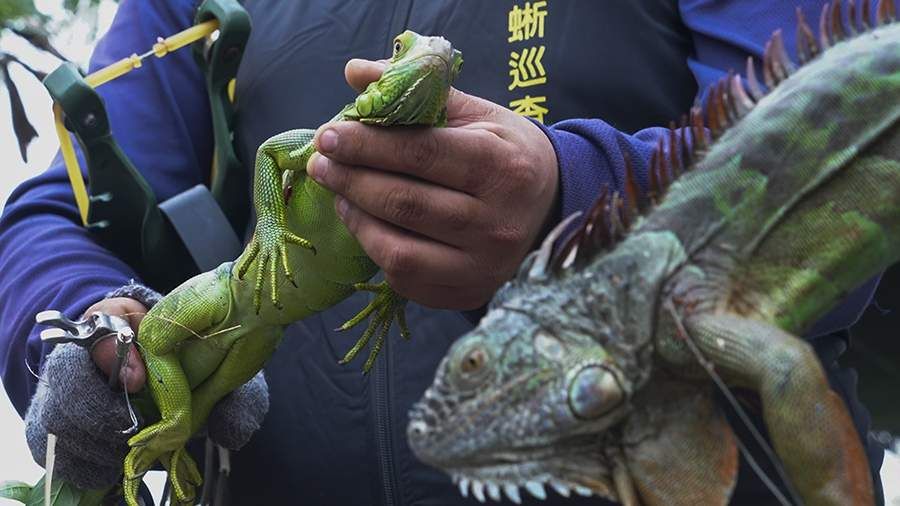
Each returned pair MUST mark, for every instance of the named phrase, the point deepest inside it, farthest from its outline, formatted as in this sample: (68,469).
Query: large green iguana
(212,333)
(591,371)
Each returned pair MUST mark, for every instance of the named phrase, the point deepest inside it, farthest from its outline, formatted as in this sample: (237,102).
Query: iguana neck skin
(581,379)
(214,332)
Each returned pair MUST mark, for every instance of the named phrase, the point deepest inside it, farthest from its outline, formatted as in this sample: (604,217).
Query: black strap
(203,227)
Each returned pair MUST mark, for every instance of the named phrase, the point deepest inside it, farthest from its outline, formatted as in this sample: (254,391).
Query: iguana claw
(138,461)
(270,251)
(184,476)
(387,306)
(150,444)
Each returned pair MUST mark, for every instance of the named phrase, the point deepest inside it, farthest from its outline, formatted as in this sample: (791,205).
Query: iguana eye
(398,46)
(473,361)
(471,367)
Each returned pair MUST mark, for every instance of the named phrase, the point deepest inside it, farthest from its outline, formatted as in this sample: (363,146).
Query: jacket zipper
(383,423)
(381,387)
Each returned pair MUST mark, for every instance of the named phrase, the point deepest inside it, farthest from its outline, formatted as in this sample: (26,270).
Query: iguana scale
(592,371)
(213,333)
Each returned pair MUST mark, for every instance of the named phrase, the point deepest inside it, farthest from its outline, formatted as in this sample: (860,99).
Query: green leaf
(25,132)
(72,5)
(15,490)
(12,9)
(61,494)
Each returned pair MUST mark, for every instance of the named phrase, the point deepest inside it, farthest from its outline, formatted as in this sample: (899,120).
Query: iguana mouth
(578,458)
(535,472)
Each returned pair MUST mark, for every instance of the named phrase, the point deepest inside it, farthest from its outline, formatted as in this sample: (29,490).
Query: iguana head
(515,404)
(413,89)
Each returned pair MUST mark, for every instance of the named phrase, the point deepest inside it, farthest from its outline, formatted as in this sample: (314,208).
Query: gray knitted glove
(239,414)
(74,402)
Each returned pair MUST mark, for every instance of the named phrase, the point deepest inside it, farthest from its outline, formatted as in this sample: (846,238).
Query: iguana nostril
(417,429)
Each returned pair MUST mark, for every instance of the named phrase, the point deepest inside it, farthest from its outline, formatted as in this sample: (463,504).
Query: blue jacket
(333,436)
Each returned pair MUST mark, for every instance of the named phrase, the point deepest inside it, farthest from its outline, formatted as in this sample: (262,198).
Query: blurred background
(36,35)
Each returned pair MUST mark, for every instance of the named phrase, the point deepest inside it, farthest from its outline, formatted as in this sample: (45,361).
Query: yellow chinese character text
(526,68)
(530,106)
(527,22)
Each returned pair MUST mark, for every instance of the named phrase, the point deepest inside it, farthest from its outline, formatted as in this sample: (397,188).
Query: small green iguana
(591,371)
(212,333)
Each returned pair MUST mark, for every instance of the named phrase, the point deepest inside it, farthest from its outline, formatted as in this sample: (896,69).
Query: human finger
(134,373)
(359,73)
(437,212)
(450,157)
(405,255)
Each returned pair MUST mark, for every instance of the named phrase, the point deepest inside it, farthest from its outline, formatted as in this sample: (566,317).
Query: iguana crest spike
(837,24)
(685,148)
(824,35)
(633,198)
(853,25)
(807,48)
(886,12)
(753,85)
(674,146)
(741,102)
(777,66)
(655,189)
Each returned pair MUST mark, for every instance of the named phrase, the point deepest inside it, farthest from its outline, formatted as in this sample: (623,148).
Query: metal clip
(87,333)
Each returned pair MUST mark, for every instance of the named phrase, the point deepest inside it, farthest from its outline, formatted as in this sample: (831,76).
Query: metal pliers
(87,333)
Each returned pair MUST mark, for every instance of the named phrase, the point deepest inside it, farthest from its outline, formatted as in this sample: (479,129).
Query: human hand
(133,373)
(89,419)
(447,213)
(74,402)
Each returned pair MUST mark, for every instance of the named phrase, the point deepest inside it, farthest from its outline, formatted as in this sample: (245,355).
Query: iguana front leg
(287,151)
(800,409)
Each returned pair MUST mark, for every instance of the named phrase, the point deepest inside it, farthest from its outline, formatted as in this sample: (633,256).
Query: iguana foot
(137,463)
(387,306)
(146,447)
(130,490)
(269,247)
(184,476)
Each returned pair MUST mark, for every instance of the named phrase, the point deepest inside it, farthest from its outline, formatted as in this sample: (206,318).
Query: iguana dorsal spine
(728,101)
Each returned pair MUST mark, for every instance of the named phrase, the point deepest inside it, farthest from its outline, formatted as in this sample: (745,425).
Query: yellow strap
(106,74)
(160,49)
(72,168)
(231,87)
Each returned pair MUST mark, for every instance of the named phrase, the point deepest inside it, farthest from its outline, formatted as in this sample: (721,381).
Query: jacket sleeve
(48,260)
(590,151)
